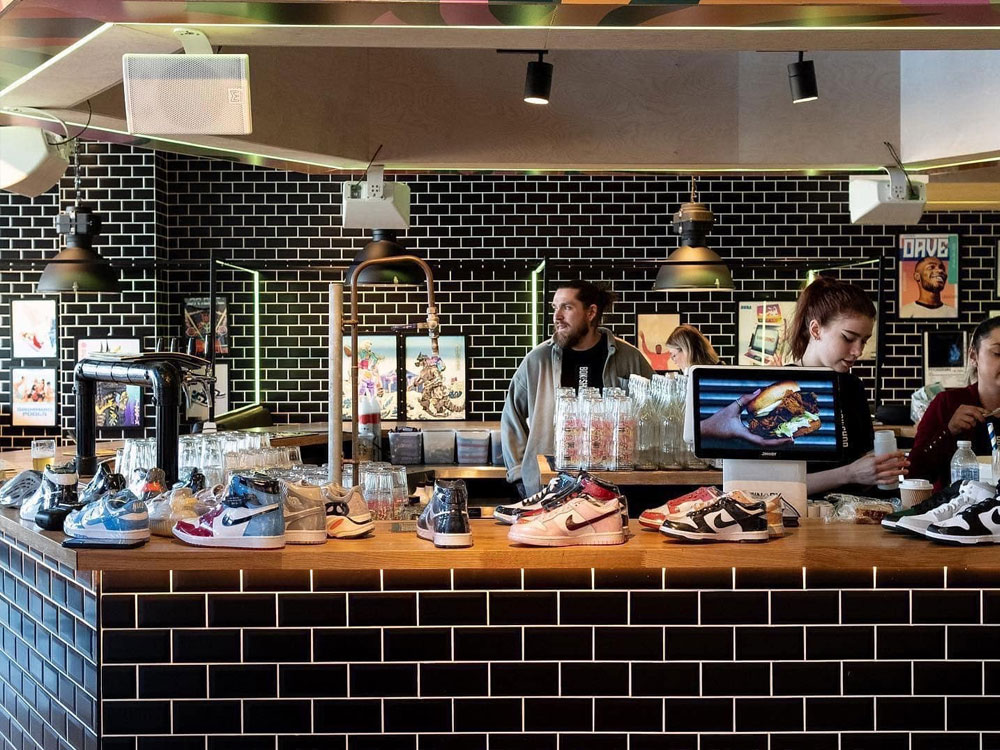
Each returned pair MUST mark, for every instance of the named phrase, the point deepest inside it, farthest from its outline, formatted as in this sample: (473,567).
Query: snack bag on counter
(863,510)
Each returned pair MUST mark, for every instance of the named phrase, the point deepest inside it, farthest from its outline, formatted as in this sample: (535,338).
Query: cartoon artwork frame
(130,421)
(386,347)
(23,411)
(453,356)
(192,306)
(44,309)
(912,248)
(653,329)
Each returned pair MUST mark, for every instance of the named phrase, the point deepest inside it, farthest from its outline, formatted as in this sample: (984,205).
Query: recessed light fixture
(802,79)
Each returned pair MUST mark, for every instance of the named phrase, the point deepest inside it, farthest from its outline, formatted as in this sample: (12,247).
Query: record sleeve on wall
(652,332)
(435,385)
(34,328)
(33,396)
(945,358)
(928,276)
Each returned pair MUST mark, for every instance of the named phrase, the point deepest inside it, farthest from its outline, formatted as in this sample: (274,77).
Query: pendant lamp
(383,244)
(693,266)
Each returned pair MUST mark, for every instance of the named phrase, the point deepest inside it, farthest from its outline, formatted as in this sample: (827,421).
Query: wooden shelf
(635,478)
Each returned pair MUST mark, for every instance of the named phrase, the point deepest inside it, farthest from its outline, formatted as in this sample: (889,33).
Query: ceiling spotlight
(538,81)
(802,79)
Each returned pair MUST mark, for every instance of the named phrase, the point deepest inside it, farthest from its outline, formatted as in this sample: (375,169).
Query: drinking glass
(400,490)
(378,492)
(43,453)
(212,463)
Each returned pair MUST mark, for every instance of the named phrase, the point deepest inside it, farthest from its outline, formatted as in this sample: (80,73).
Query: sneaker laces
(949,509)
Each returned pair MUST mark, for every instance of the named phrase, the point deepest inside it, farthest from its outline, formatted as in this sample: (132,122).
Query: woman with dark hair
(833,322)
(961,413)
(688,347)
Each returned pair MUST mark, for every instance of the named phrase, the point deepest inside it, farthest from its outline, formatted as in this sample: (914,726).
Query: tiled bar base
(718,659)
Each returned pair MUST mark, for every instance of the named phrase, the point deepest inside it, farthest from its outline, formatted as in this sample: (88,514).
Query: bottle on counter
(885,442)
(568,430)
(369,447)
(624,432)
(964,464)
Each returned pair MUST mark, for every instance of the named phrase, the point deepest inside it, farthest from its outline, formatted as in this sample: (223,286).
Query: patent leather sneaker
(654,517)
(20,488)
(969,493)
(121,517)
(98,484)
(582,520)
(725,519)
(192,478)
(58,487)
(976,524)
(561,485)
(445,520)
(347,513)
(249,516)
(939,498)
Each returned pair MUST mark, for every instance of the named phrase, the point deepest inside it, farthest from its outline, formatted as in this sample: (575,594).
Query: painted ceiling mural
(33,31)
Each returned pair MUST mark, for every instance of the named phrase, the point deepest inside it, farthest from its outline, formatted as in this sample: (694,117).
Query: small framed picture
(34,328)
(945,358)
(34,395)
(436,385)
(652,332)
(928,276)
(119,405)
(762,331)
(197,320)
(378,372)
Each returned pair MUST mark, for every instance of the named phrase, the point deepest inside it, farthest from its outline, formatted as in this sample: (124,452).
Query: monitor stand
(752,475)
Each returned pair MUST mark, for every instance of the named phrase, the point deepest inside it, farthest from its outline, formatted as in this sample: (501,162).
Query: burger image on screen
(782,410)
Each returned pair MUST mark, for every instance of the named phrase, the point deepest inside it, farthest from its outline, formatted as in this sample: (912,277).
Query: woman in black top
(833,322)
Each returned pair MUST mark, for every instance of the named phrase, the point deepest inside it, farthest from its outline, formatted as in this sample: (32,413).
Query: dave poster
(928,276)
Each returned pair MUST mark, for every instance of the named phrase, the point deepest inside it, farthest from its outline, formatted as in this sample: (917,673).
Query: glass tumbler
(378,492)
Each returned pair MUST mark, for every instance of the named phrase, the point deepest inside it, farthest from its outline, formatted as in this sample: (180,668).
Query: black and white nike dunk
(976,524)
(723,520)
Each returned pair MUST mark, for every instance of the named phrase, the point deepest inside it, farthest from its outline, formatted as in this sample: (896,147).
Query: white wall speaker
(30,163)
(187,94)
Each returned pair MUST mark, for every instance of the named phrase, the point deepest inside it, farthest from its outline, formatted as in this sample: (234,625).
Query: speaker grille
(187,94)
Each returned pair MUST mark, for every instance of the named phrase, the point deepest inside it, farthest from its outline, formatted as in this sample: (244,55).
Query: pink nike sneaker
(654,517)
(584,520)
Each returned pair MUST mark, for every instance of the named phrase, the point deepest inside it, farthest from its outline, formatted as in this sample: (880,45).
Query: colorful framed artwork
(118,405)
(34,325)
(928,276)
(198,405)
(197,319)
(652,332)
(762,332)
(436,386)
(378,373)
(945,355)
(34,392)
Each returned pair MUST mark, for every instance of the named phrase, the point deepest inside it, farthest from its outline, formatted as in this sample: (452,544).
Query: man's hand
(726,423)
(883,469)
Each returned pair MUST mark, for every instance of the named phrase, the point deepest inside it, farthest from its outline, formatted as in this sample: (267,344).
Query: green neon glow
(256,324)
(535,304)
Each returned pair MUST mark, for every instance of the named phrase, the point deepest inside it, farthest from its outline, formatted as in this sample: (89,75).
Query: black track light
(538,81)
(802,79)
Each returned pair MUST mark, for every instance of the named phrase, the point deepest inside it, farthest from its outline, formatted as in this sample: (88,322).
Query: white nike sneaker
(918,524)
(249,517)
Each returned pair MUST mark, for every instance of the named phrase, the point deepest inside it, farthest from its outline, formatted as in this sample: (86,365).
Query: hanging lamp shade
(383,245)
(693,266)
(79,269)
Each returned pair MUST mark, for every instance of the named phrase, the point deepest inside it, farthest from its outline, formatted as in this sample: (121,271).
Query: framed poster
(34,328)
(118,406)
(33,396)
(652,332)
(197,319)
(436,386)
(87,347)
(198,404)
(762,330)
(928,276)
(377,372)
(945,358)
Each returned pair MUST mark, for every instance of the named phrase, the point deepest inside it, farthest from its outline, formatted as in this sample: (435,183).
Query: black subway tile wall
(483,233)
(450,673)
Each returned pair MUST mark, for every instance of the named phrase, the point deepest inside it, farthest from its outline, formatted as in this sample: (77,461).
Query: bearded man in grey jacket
(580,354)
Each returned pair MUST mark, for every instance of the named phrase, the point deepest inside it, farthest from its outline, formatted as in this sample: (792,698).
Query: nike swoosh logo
(996,516)
(228,520)
(572,525)
(720,524)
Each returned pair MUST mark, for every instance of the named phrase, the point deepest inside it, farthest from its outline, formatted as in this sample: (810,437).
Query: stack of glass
(568,431)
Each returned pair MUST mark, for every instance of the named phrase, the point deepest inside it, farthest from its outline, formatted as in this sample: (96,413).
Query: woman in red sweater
(960,413)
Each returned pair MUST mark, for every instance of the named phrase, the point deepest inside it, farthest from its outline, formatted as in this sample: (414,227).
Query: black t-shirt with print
(585,369)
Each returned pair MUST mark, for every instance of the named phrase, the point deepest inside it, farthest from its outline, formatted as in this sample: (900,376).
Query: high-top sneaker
(969,493)
(939,498)
(653,518)
(305,513)
(725,519)
(561,485)
(58,487)
(249,517)
(121,517)
(347,513)
(192,478)
(445,520)
(97,485)
(976,524)
(20,488)
(582,520)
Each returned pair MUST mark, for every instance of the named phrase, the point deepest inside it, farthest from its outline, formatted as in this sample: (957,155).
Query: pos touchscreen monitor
(766,413)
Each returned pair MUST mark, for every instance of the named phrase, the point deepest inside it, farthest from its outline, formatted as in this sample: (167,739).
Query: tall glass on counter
(624,431)
(647,424)
(568,430)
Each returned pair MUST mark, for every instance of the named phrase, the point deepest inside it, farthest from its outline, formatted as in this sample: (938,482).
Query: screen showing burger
(766,412)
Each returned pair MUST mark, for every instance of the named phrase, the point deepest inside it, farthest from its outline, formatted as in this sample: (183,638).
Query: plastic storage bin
(474,447)
(405,447)
(496,448)
(439,446)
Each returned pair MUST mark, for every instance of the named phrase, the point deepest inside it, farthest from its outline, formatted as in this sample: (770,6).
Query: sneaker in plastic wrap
(250,516)
(121,517)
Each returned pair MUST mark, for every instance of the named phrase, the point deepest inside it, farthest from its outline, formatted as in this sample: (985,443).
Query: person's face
(839,343)
(571,319)
(986,360)
(681,360)
(931,274)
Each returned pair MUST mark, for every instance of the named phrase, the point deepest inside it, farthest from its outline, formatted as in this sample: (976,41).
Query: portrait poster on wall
(34,329)
(435,385)
(33,396)
(945,358)
(652,332)
(198,404)
(377,372)
(928,276)
(197,320)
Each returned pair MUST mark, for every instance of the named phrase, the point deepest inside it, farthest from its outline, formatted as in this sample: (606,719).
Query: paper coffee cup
(913,491)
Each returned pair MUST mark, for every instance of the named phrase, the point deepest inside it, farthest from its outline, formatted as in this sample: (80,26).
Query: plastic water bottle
(885,442)
(964,464)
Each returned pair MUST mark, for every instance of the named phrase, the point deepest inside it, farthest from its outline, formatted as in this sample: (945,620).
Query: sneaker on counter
(724,519)
(445,520)
(98,484)
(347,513)
(312,514)
(976,524)
(305,514)
(249,516)
(969,493)
(121,517)
(58,487)
(654,517)
(946,495)
(562,484)
(192,478)
(15,491)
(582,520)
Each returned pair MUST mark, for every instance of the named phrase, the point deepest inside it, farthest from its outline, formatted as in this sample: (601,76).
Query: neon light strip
(256,324)
(535,341)
(544,27)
